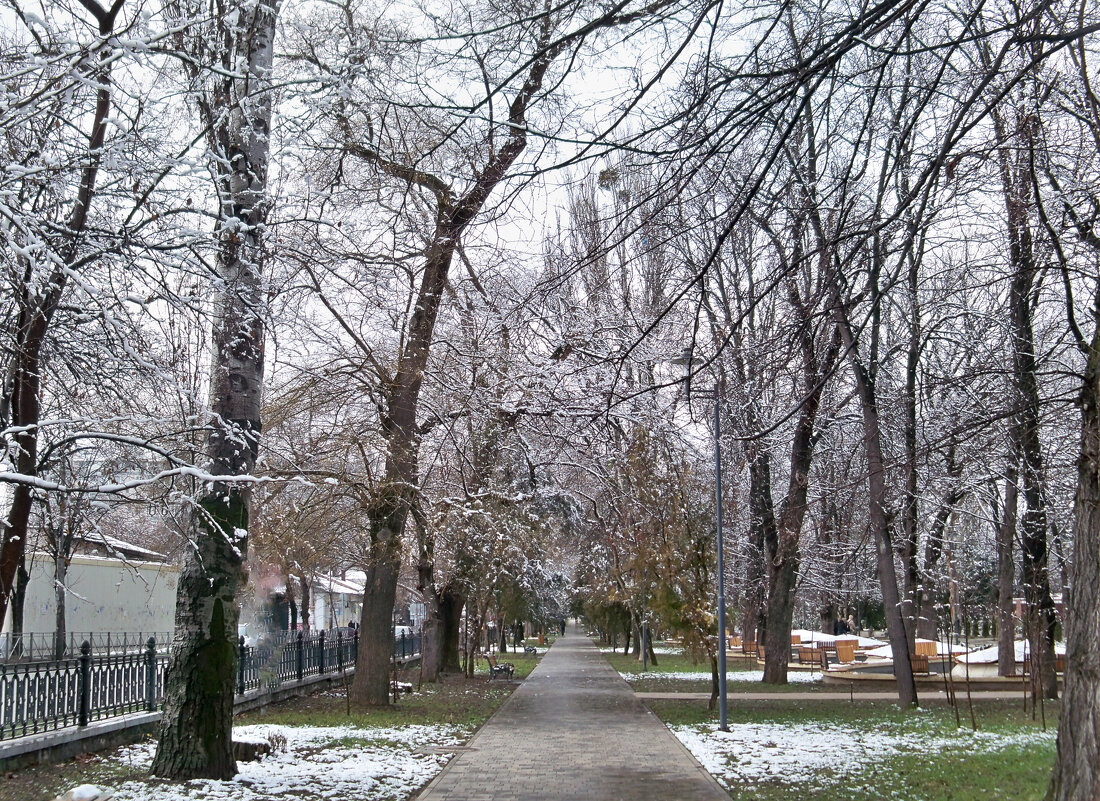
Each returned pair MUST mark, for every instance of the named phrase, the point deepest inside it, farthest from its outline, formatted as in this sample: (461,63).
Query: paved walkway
(573,730)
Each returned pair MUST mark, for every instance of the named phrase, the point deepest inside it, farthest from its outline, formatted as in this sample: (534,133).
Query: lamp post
(685,360)
(723,723)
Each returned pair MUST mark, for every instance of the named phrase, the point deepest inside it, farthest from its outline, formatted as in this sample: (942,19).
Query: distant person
(851,623)
(561,625)
(351,625)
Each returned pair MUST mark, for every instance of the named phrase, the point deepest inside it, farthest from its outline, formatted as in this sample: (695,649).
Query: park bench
(748,647)
(499,668)
(809,656)
(846,651)
(919,662)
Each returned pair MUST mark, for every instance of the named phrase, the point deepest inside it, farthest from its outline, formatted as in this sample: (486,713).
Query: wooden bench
(810,656)
(748,647)
(846,651)
(499,668)
(919,662)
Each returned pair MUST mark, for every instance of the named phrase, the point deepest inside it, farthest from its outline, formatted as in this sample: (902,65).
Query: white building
(102,594)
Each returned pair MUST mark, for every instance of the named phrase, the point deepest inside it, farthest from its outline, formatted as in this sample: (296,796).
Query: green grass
(968,770)
(666,663)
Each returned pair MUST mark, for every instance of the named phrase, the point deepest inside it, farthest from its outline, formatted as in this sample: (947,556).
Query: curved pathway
(573,730)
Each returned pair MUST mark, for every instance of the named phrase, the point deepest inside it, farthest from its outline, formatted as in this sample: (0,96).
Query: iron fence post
(403,645)
(355,647)
(339,650)
(301,656)
(321,652)
(151,675)
(85,690)
(242,651)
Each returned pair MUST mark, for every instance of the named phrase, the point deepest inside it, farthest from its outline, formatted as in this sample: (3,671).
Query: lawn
(863,751)
(384,754)
(676,672)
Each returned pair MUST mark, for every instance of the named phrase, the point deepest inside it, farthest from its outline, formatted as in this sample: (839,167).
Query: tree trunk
(1018,179)
(450,612)
(370,687)
(762,538)
(1006,577)
(292,604)
(196,724)
(431,633)
(1076,775)
(781,598)
(880,525)
(18,604)
(783,549)
(306,600)
(60,571)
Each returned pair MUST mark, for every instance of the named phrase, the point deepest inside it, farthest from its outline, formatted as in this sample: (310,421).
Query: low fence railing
(35,646)
(43,696)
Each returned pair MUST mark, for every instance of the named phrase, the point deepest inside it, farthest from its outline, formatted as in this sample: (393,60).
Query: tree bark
(1006,576)
(450,604)
(370,686)
(18,604)
(880,526)
(60,571)
(1076,775)
(196,724)
(306,600)
(431,633)
(1017,179)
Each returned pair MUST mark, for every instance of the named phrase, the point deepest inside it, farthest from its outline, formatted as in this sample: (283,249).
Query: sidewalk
(573,730)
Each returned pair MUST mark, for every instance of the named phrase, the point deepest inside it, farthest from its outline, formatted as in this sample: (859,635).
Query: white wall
(103,595)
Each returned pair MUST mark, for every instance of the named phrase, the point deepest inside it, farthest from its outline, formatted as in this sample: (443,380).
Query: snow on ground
(825,753)
(332,762)
(793,676)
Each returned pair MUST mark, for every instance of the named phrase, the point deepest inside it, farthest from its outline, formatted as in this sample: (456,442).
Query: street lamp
(685,360)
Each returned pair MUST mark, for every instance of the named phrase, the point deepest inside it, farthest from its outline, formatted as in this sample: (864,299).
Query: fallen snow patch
(796,753)
(793,677)
(329,762)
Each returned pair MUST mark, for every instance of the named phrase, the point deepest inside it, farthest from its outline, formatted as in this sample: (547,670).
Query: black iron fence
(44,696)
(43,646)
(406,646)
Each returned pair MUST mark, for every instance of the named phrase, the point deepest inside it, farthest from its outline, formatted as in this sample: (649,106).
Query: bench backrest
(846,650)
(926,649)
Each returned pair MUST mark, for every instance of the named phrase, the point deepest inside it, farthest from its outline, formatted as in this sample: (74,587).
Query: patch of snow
(794,753)
(987,656)
(87,792)
(337,762)
(793,676)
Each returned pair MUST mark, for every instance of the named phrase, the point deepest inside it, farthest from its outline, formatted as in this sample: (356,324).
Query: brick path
(573,730)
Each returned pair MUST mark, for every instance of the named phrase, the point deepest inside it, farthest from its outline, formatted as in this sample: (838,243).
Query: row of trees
(451,259)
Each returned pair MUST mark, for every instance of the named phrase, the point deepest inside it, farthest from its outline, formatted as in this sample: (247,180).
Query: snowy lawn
(383,753)
(736,681)
(827,750)
(320,762)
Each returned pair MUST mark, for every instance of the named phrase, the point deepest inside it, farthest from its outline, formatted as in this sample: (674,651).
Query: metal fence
(44,696)
(406,646)
(41,646)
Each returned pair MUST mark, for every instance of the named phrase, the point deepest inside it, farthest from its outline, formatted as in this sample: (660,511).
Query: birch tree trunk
(196,725)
